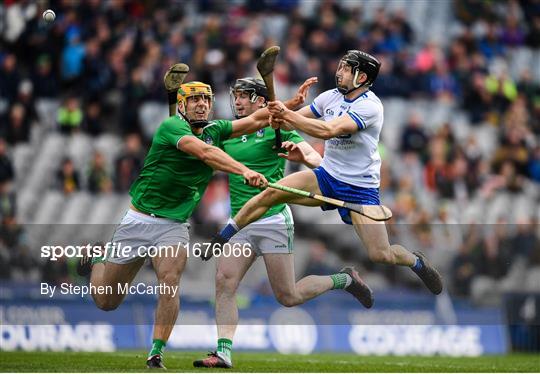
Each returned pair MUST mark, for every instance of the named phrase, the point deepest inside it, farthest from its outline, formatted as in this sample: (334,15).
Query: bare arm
(276,122)
(314,127)
(306,112)
(312,158)
(251,123)
(260,118)
(301,152)
(218,159)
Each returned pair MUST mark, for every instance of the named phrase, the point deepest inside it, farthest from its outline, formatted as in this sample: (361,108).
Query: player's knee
(106,304)
(225,283)
(382,256)
(287,299)
(170,278)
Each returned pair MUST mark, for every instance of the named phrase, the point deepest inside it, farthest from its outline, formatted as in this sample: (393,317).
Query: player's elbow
(327,134)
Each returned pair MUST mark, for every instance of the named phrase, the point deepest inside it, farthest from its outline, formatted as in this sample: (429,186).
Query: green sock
(225,346)
(341,281)
(157,347)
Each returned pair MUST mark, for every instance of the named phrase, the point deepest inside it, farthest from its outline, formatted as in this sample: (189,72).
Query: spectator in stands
(129,163)
(528,87)
(534,165)
(26,98)
(513,148)
(404,29)
(437,172)
(44,80)
(7,173)
(503,89)
(96,73)
(9,77)
(13,254)
(525,241)
(442,84)
(512,33)
(70,116)
(491,45)
(8,203)
(495,257)
(98,177)
(414,138)
(477,99)
(5,261)
(134,94)
(512,181)
(67,178)
(92,123)
(534,255)
(458,183)
(387,83)
(463,267)
(533,37)
(18,125)
(72,59)
(427,58)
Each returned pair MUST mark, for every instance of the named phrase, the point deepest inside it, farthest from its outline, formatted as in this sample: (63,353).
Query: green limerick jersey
(172,182)
(255,151)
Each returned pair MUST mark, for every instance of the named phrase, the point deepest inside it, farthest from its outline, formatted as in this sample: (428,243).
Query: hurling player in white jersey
(350,118)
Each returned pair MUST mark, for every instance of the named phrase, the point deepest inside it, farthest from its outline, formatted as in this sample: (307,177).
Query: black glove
(215,247)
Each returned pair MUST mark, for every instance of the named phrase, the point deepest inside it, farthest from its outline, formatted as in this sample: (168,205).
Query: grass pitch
(134,361)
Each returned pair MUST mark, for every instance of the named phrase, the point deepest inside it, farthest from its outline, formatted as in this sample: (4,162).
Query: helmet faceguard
(191,89)
(255,87)
(360,62)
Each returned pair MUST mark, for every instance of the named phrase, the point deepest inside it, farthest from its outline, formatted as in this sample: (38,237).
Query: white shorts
(272,234)
(143,233)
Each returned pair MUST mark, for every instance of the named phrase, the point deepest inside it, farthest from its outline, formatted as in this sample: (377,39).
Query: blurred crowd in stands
(101,61)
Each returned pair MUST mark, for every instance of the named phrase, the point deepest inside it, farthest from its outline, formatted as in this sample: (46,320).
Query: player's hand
(303,90)
(277,109)
(216,245)
(278,123)
(255,179)
(294,153)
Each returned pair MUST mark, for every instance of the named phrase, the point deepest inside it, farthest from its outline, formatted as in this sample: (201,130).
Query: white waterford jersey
(352,158)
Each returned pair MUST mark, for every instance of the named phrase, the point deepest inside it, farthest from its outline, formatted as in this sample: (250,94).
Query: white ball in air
(49,15)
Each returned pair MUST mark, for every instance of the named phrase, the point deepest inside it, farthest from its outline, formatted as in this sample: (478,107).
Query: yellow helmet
(194,89)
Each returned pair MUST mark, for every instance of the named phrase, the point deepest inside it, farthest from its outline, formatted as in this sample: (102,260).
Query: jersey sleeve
(317,106)
(366,114)
(225,129)
(292,136)
(172,130)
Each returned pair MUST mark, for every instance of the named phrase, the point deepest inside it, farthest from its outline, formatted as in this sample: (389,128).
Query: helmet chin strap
(356,85)
(197,123)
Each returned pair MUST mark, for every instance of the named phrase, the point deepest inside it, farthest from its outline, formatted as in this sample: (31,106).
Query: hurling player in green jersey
(271,236)
(177,169)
